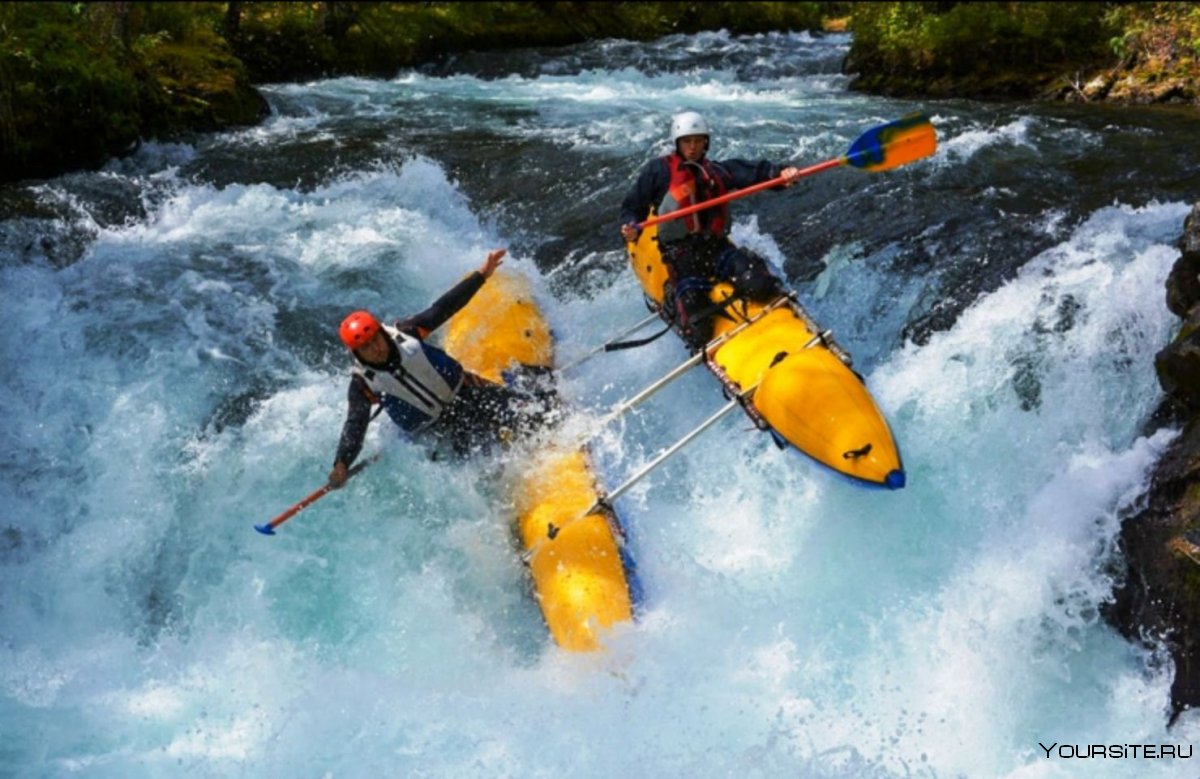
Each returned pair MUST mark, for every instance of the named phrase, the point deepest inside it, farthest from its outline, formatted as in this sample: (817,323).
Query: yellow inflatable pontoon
(796,381)
(583,578)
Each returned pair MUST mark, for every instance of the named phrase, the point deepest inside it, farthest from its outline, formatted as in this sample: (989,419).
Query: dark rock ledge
(1157,599)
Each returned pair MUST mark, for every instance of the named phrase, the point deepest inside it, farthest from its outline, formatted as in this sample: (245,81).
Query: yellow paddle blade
(893,144)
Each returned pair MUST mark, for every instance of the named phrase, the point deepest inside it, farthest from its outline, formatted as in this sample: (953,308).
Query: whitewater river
(172,375)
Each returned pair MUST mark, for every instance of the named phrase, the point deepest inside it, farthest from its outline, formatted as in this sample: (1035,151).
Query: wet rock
(1178,365)
(1137,88)
(1183,285)
(1157,600)
(1098,87)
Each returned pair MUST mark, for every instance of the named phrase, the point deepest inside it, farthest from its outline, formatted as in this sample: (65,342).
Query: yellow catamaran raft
(584,581)
(772,360)
(791,377)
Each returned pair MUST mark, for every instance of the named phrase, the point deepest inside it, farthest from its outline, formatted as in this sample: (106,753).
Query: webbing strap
(637,342)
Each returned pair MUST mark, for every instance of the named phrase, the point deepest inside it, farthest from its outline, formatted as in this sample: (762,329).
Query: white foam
(793,624)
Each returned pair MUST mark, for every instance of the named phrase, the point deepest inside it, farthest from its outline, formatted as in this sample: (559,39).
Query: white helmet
(688,123)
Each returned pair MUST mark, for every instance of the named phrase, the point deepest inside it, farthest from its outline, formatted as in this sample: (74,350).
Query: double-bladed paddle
(883,147)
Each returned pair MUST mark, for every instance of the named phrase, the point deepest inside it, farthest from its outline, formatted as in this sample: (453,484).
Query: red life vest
(690,183)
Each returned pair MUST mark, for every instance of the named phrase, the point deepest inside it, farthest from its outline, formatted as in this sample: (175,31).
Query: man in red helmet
(420,386)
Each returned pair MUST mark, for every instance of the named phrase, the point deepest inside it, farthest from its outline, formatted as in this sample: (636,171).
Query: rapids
(1004,300)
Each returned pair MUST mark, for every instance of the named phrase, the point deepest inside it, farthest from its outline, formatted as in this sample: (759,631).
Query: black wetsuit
(477,415)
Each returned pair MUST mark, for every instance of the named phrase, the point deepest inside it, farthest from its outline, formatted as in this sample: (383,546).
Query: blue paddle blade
(266,530)
(893,144)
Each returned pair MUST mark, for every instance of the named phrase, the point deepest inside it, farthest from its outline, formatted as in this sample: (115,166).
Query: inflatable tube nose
(895,480)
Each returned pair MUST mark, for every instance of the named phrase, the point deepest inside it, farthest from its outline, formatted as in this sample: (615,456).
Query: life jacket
(417,392)
(693,182)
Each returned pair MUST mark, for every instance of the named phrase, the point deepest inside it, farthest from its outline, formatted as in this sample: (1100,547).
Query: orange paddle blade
(893,144)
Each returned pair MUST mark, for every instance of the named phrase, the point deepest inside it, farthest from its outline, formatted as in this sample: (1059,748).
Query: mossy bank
(80,82)
(1132,53)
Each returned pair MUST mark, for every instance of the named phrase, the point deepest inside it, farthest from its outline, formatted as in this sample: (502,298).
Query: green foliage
(290,40)
(82,81)
(79,81)
(955,39)
(58,78)
(1020,48)
(1167,34)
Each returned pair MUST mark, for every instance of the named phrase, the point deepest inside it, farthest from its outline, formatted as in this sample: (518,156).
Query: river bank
(82,82)
(1122,53)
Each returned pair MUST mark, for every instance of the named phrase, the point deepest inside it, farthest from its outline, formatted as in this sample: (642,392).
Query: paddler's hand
(338,476)
(630,232)
(492,262)
(790,176)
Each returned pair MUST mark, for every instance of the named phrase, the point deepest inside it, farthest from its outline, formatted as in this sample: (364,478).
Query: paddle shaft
(739,193)
(880,148)
(269,528)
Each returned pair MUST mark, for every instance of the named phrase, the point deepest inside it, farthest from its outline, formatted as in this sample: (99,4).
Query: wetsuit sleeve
(358,416)
(424,323)
(742,173)
(647,192)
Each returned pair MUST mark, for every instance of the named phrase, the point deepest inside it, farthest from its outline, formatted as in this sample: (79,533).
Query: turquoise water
(173,377)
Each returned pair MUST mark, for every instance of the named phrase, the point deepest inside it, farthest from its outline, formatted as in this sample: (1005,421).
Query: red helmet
(358,328)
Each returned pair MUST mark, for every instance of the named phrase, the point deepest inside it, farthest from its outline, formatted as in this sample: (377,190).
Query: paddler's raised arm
(449,304)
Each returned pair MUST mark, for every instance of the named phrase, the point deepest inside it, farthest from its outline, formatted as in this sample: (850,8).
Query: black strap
(718,308)
(637,342)
(714,308)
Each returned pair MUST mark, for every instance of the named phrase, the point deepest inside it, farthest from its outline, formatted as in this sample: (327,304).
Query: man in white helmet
(696,248)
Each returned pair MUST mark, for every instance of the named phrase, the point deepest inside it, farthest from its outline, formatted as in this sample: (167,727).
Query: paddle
(880,148)
(269,528)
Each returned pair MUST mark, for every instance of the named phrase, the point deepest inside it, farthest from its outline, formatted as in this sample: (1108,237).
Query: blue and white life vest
(417,392)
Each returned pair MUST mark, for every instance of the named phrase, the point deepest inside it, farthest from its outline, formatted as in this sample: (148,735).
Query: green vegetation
(83,81)
(1158,47)
(1023,49)
(990,46)
(279,41)
(80,82)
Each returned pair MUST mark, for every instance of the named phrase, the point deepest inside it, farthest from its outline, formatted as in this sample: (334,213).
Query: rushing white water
(180,380)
